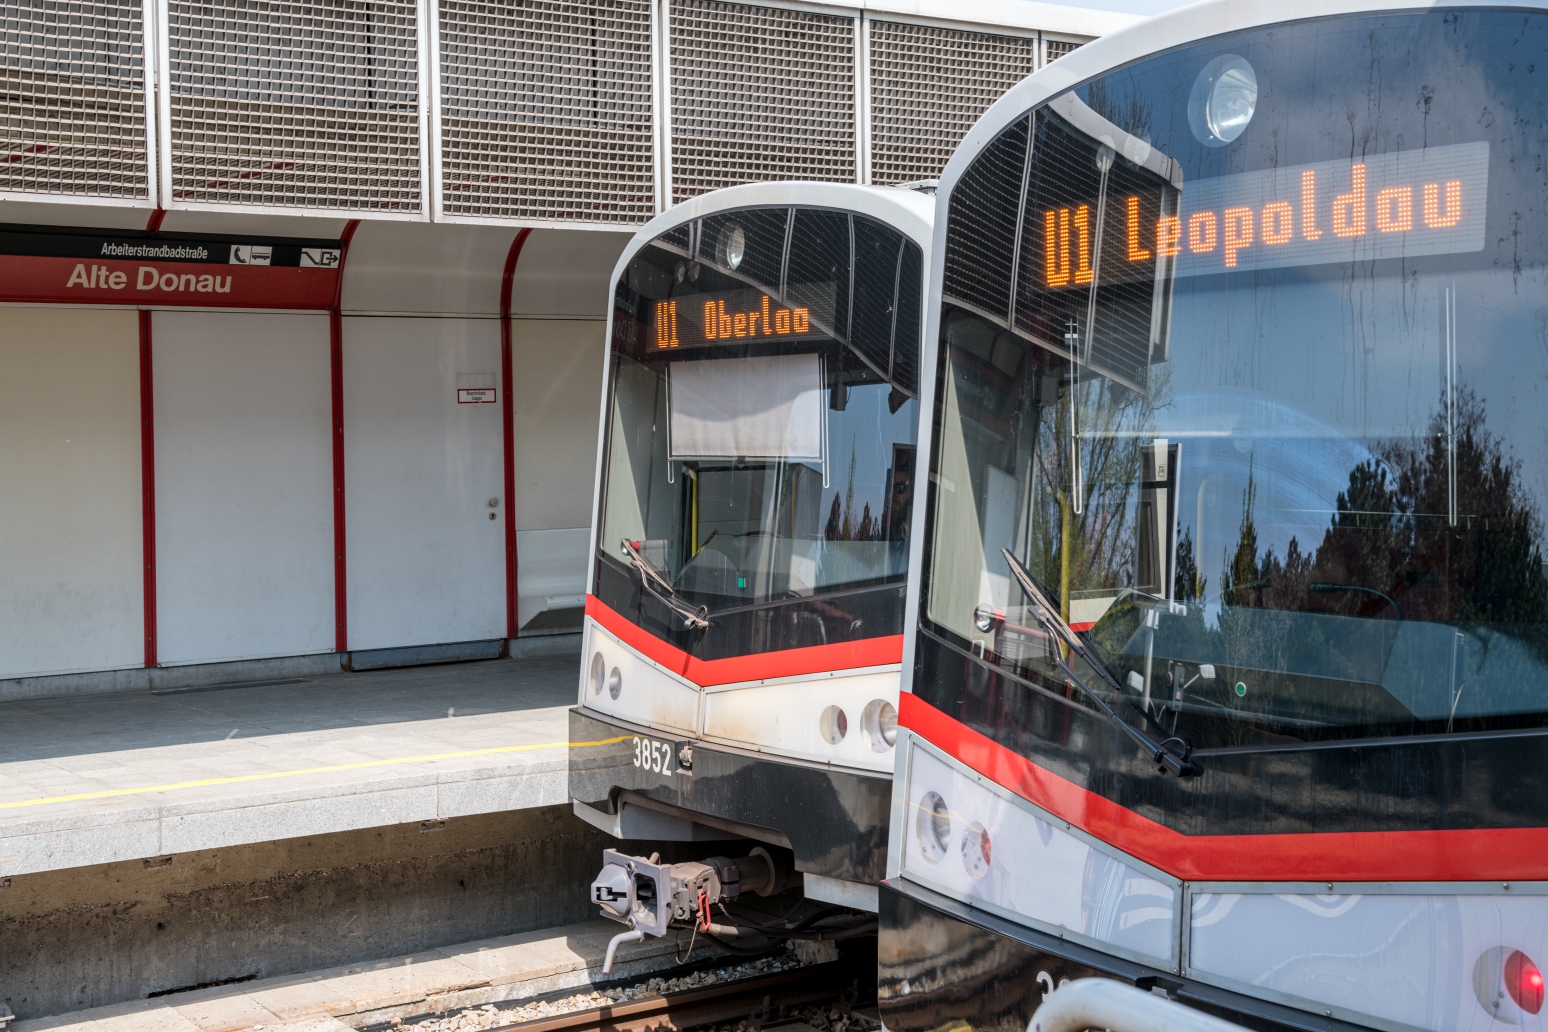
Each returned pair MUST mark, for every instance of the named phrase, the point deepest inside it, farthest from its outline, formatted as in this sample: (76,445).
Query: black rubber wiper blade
(655,582)
(1047,614)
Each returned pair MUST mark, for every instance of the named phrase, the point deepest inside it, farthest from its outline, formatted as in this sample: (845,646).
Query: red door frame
(508,431)
(336,385)
(148,468)
(148,457)
(148,485)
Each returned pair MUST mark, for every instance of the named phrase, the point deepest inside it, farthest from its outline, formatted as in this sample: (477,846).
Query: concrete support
(94,936)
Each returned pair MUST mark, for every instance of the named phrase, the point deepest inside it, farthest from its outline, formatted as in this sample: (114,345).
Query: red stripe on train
(1474,854)
(815,659)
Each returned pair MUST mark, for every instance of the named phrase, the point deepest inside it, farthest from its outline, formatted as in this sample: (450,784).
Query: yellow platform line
(236,779)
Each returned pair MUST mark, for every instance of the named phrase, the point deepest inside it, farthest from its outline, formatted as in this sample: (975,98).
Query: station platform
(90,780)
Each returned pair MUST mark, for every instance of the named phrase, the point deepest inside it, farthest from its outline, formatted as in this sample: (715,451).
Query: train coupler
(648,895)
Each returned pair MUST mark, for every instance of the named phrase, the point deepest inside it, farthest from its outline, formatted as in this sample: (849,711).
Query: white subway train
(750,554)
(1227,668)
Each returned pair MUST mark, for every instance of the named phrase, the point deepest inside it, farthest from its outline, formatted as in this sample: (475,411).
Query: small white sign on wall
(476,389)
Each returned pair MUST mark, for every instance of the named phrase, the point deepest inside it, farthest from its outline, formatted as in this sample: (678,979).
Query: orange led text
(720,324)
(1349,214)
(666,324)
(1057,225)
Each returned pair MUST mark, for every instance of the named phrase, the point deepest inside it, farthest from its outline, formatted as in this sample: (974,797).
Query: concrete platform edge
(237,673)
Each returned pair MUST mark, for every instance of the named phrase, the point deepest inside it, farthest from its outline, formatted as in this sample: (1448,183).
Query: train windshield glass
(763,419)
(1243,359)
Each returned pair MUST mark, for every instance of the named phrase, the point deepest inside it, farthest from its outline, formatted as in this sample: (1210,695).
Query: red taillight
(1524,982)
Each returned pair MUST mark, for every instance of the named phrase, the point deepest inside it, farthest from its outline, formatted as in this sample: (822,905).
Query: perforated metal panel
(312,104)
(1059,47)
(73,76)
(759,94)
(546,110)
(928,87)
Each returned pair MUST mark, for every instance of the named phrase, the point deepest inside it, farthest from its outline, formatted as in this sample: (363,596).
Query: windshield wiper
(1179,763)
(660,588)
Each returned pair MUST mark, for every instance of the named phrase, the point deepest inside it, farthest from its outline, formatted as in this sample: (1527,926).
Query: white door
(423,475)
(244,486)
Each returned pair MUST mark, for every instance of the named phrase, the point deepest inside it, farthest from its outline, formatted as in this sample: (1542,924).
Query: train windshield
(1243,363)
(763,416)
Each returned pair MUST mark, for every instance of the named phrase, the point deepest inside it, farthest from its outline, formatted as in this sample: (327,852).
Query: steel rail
(691,1008)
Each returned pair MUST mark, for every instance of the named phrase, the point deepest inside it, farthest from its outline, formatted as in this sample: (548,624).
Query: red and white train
(1224,650)
(1228,663)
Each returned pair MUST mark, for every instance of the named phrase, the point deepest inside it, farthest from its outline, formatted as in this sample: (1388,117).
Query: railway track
(766,1000)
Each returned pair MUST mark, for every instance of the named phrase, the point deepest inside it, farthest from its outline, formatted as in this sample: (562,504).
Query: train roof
(1151,36)
(911,211)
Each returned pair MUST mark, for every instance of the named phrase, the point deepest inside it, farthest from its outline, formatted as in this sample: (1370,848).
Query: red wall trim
(336,376)
(1483,854)
(148,466)
(148,484)
(815,659)
(508,431)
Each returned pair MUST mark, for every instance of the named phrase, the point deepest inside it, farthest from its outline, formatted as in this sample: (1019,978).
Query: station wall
(556,402)
(71,593)
(244,486)
(243,543)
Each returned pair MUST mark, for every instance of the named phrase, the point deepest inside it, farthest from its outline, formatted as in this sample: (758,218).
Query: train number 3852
(653,755)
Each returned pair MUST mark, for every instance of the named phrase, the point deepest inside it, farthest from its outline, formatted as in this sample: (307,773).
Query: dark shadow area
(92,936)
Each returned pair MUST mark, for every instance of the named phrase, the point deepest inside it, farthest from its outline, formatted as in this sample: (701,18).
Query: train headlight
(614,683)
(734,245)
(834,725)
(976,851)
(880,720)
(1224,98)
(598,673)
(932,828)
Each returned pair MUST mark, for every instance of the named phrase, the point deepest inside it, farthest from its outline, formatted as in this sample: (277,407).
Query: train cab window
(1251,384)
(762,427)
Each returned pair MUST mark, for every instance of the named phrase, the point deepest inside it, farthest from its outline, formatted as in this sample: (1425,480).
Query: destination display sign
(107,267)
(739,316)
(1405,204)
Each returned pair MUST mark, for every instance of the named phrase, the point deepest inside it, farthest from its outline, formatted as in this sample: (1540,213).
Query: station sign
(166,270)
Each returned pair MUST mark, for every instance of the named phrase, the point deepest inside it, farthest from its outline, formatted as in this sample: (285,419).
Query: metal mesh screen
(309,104)
(73,77)
(928,87)
(1058,47)
(546,110)
(759,94)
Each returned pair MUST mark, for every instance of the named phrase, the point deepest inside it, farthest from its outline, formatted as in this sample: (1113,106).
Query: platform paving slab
(515,967)
(99,779)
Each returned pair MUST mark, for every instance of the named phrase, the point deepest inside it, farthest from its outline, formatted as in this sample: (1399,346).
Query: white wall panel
(429,268)
(565,273)
(244,486)
(426,562)
(557,388)
(71,593)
